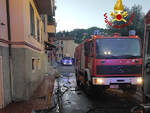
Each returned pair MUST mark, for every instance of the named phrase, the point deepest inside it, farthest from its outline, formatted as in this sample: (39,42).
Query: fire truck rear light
(98,81)
(140,80)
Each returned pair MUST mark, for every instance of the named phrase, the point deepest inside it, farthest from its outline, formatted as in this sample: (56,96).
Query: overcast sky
(72,14)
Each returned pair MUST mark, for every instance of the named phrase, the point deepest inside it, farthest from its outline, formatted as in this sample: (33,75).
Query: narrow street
(74,100)
(74,56)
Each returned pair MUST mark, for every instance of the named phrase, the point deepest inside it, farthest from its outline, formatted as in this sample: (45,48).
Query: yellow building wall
(28,37)
(20,29)
(69,47)
(16,20)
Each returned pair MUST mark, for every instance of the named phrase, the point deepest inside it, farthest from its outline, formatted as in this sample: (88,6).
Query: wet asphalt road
(74,100)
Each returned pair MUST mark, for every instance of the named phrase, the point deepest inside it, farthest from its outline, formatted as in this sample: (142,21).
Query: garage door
(1,85)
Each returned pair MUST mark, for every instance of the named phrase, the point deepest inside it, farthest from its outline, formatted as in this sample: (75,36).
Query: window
(38,31)
(41,36)
(33,64)
(118,48)
(32,23)
(44,23)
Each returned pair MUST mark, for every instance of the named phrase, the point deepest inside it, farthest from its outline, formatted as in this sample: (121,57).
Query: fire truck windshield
(118,48)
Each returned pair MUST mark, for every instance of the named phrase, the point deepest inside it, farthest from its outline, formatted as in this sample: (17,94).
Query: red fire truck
(109,62)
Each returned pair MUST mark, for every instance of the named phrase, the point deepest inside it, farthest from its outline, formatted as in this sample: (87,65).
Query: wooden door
(1,85)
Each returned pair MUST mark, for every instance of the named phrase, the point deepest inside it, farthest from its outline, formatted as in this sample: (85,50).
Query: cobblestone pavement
(39,100)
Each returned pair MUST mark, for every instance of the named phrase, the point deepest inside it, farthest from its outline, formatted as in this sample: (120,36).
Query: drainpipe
(9,47)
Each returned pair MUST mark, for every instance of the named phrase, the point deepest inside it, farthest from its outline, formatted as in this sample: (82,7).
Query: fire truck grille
(126,69)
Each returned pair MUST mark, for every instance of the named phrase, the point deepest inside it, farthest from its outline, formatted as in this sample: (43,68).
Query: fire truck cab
(109,62)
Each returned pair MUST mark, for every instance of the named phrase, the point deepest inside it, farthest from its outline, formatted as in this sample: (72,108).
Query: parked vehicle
(67,61)
(109,62)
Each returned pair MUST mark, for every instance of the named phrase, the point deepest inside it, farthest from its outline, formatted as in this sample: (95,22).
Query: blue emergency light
(132,33)
(97,32)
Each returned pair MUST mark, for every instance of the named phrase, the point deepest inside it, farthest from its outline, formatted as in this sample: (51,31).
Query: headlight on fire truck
(98,81)
(139,80)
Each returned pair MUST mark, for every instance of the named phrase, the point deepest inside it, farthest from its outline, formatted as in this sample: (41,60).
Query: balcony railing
(51,29)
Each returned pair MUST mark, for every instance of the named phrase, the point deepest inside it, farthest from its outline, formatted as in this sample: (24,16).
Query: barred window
(33,64)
